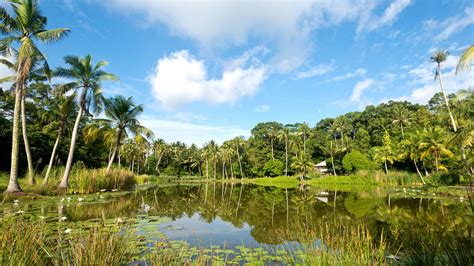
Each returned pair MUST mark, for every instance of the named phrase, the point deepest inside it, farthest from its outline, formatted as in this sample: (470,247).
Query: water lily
(67,231)
(19,212)
(62,219)
(41,217)
(62,199)
(80,199)
(103,190)
(114,190)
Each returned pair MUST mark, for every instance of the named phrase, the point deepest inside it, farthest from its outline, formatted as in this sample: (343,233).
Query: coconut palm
(434,143)
(302,164)
(21,30)
(410,149)
(384,153)
(122,114)
(38,72)
(87,78)
(304,131)
(400,117)
(284,135)
(439,57)
(466,59)
(58,116)
(160,149)
(272,134)
(238,144)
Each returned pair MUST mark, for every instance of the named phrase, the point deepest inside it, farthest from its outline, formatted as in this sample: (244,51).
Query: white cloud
(6,72)
(451,25)
(360,72)
(180,78)
(262,108)
(285,24)
(190,133)
(359,88)
(372,22)
(315,71)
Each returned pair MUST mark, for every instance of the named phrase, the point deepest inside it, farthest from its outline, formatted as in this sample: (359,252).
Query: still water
(230,215)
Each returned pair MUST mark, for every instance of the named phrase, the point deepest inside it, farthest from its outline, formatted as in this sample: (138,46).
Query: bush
(444,179)
(355,160)
(84,180)
(274,168)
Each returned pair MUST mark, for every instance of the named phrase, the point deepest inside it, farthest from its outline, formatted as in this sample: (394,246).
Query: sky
(214,69)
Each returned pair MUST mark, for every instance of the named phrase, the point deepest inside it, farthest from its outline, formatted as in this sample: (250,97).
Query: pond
(231,215)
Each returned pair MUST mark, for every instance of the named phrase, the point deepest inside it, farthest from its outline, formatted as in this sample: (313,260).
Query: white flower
(19,212)
(119,220)
(103,190)
(62,219)
(113,190)
(16,201)
(80,199)
(67,231)
(68,198)
(41,217)
(62,200)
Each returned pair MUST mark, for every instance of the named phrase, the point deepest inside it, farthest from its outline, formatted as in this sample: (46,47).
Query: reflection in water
(234,214)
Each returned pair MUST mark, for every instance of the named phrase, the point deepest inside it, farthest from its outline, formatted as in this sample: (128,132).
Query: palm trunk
(419,173)
(273,157)
(333,168)
(13,185)
(386,168)
(114,152)
(286,157)
(446,100)
(29,159)
(65,180)
(231,168)
(240,163)
(403,133)
(158,163)
(207,168)
(53,154)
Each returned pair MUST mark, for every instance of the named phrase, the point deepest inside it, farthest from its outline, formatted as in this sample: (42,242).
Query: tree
(400,117)
(304,131)
(384,153)
(160,148)
(434,143)
(284,135)
(410,150)
(87,78)
(302,164)
(272,134)
(439,57)
(355,160)
(238,144)
(122,114)
(466,59)
(26,26)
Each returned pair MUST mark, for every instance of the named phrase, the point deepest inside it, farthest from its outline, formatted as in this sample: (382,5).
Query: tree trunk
(207,168)
(446,99)
(231,168)
(240,163)
(13,185)
(286,156)
(53,154)
(304,143)
(273,157)
(386,168)
(114,152)
(29,159)
(403,133)
(418,171)
(333,168)
(65,180)
(158,163)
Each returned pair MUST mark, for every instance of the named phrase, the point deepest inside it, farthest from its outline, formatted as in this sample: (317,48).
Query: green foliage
(273,168)
(355,160)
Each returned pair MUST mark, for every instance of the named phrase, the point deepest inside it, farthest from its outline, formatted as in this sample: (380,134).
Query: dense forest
(72,123)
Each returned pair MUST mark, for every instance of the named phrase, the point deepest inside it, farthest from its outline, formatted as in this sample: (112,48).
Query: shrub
(274,168)
(355,160)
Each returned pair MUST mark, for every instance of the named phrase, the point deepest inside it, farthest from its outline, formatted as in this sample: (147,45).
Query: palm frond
(54,35)
(466,60)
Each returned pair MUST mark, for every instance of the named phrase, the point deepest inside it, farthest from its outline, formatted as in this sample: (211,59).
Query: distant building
(321,167)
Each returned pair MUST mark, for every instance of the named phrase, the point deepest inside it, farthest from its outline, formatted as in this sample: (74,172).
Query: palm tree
(160,149)
(86,77)
(272,135)
(434,143)
(330,149)
(439,57)
(122,115)
(410,149)
(284,135)
(384,153)
(400,116)
(58,116)
(301,164)
(37,73)
(466,59)
(26,26)
(238,143)
(304,131)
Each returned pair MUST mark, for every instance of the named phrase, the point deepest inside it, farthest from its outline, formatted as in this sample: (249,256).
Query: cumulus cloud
(180,78)
(192,133)
(262,108)
(359,88)
(285,24)
(314,71)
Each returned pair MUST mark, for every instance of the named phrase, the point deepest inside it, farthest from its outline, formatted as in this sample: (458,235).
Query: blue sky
(212,70)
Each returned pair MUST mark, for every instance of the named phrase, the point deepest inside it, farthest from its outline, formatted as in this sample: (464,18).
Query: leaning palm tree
(122,114)
(21,30)
(87,78)
(439,57)
(466,59)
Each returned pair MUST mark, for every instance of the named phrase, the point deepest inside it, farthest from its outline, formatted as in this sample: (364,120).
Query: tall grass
(85,180)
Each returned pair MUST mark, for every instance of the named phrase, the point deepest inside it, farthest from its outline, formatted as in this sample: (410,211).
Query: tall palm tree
(439,57)
(272,135)
(384,153)
(26,26)
(87,78)
(304,131)
(238,144)
(466,59)
(122,114)
(410,150)
(434,143)
(284,135)
(37,73)
(58,116)
(302,164)
(160,149)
